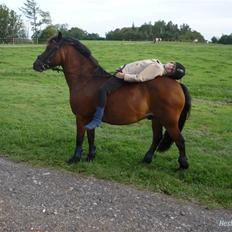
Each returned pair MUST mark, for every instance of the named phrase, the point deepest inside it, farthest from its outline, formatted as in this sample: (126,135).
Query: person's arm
(132,77)
(127,77)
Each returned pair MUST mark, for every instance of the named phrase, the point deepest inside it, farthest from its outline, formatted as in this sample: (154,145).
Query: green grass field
(37,126)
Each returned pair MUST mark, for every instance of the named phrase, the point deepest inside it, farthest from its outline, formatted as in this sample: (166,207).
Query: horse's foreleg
(79,141)
(175,134)
(157,136)
(92,148)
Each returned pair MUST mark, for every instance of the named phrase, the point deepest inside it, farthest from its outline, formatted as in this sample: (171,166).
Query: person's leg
(112,84)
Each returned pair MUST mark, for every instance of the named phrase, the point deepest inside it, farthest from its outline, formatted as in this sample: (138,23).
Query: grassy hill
(37,126)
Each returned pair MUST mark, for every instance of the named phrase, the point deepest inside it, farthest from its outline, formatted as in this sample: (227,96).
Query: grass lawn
(37,126)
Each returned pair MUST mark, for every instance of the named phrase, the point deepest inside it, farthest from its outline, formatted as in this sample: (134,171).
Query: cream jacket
(143,70)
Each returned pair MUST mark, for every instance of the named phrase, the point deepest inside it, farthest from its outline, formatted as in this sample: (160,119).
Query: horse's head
(50,58)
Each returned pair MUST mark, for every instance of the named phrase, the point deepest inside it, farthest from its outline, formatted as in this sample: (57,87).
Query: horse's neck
(77,68)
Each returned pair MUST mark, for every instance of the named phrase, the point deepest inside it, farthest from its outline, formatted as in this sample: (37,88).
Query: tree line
(160,29)
(224,39)
(12,26)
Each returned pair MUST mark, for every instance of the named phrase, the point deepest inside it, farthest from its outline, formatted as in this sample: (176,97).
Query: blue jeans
(110,85)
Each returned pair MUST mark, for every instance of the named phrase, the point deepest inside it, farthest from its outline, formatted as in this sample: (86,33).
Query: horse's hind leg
(175,134)
(157,136)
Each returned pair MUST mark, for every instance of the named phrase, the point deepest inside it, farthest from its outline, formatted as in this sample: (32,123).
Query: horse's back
(135,101)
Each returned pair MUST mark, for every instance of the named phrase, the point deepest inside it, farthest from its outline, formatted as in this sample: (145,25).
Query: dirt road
(41,199)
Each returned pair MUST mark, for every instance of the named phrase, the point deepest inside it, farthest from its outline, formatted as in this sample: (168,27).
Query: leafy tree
(214,39)
(74,32)
(185,28)
(36,16)
(225,39)
(115,35)
(159,29)
(171,31)
(191,36)
(63,28)
(146,30)
(93,36)
(78,33)
(47,33)
(11,25)
(197,35)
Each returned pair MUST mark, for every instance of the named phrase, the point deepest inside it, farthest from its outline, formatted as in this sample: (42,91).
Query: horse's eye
(53,41)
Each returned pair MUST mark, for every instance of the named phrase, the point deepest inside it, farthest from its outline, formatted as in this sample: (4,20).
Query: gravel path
(41,199)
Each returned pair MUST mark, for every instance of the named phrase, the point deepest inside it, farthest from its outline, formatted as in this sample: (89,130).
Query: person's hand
(120,75)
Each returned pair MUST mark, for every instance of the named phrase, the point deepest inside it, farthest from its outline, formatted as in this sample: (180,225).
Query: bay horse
(164,100)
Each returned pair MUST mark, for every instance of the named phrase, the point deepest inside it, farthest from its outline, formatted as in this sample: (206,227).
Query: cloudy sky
(209,17)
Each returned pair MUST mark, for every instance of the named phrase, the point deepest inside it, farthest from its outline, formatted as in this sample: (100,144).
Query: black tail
(166,141)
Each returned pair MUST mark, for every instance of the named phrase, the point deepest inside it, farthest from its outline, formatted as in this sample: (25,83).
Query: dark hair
(179,71)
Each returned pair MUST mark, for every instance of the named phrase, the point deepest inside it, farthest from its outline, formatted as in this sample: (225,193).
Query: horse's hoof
(90,158)
(73,160)
(183,163)
(146,160)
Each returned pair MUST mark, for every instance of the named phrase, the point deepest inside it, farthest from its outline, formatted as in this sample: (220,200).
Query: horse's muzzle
(38,66)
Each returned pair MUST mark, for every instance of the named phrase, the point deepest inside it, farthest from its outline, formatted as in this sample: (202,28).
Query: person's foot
(97,119)
(93,124)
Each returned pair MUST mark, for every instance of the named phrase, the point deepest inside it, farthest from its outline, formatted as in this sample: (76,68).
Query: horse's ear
(59,35)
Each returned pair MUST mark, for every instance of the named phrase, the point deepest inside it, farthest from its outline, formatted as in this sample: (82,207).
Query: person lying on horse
(139,71)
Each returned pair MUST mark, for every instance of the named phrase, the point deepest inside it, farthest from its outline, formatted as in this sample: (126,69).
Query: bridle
(44,59)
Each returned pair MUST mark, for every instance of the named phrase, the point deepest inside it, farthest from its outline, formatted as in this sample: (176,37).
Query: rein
(57,69)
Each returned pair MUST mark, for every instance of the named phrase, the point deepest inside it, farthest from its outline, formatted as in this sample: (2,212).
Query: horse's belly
(121,111)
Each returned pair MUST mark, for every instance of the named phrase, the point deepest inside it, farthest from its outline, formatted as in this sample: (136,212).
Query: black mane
(99,71)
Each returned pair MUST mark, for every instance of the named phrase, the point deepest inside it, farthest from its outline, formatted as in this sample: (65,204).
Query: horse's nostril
(37,66)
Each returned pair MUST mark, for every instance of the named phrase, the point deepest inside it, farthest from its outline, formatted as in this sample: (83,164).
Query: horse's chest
(74,103)
(78,105)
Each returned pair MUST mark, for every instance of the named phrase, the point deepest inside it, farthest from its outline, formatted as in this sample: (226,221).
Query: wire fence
(13,40)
